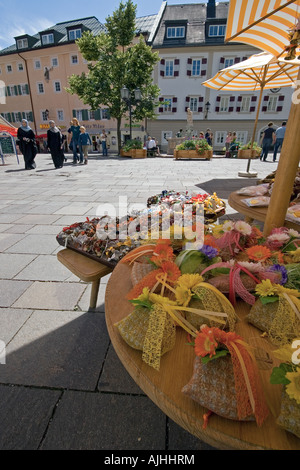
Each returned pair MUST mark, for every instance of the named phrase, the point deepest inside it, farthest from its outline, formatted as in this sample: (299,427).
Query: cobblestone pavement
(62,386)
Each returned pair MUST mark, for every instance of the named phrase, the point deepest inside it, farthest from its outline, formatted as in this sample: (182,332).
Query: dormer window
(75,34)
(174,32)
(22,43)
(216,30)
(47,39)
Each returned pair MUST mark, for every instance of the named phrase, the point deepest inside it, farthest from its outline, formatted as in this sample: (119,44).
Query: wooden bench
(253,213)
(86,269)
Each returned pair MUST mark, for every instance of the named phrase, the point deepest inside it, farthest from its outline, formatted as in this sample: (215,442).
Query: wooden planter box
(138,153)
(207,154)
(125,154)
(248,153)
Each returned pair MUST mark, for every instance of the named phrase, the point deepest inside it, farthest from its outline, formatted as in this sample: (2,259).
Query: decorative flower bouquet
(288,375)
(277,311)
(225,379)
(171,299)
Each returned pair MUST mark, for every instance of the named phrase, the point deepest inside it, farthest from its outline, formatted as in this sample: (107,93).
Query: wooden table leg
(94,294)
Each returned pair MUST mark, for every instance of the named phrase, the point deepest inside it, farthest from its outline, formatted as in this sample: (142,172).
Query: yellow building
(34,73)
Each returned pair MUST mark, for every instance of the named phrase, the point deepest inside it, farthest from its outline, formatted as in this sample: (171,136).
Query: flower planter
(206,154)
(125,154)
(247,153)
(138,153)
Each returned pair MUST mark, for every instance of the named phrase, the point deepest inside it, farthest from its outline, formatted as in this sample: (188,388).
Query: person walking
(55,145)
(84,141)
(27,145)
(279,136)
(209,137)
(228,142)
(75,133)
(267,139)
(103,139)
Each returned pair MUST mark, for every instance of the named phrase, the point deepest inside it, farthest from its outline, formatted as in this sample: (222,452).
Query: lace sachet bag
(149,329)
(200,303)
(288,375)
(225,378)
(276,312)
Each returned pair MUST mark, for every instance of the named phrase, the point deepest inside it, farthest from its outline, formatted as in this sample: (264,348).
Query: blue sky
(31,16)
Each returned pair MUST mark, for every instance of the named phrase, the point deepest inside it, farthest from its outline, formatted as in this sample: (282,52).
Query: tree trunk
(119,120)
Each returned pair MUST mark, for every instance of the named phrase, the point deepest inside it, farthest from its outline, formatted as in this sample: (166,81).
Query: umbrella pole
(286,171)
(248,174)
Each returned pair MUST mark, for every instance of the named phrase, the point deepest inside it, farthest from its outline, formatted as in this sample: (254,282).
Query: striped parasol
(271,25)
(257,73)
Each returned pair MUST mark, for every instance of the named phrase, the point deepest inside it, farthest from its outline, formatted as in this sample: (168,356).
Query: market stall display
(204,306)
(108,239)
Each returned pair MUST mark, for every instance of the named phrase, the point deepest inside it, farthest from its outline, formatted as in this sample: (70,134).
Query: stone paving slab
(64,350)
(43,268)
(106,421)
(10,291)
(24,416)
(12,263)
(36,244)
(11,320)
(7,240)
(34,219)
(50,295)
(115,378)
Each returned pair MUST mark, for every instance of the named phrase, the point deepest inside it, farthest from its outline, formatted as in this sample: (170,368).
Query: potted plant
(196,148)
(250,150)
(134,149)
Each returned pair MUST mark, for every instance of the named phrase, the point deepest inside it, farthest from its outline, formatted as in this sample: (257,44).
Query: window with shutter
(85,115)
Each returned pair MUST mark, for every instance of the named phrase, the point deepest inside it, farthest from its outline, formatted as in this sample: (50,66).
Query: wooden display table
(164,387)
(253,213)
(86,269)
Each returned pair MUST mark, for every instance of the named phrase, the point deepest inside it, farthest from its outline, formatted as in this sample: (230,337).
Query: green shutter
(8,91)
(85,115)
(98,115)
(30,117)
(20,117)
(19,89)
(23,115)
(74,113)
(27,89)
(16,90)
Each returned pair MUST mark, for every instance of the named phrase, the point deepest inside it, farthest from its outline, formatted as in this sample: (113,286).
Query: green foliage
(278,374)
(114,62)
(132,144)
(219,353)
(255,146)
(193,261)
(200,145)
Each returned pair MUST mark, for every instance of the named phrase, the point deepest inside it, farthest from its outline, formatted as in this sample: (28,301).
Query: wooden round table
(164,387)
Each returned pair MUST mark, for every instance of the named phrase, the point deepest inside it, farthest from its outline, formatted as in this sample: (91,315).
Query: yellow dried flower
(266,288)
(293,388)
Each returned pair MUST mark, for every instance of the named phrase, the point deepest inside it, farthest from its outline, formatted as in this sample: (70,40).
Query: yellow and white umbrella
(259,72)
(271,25)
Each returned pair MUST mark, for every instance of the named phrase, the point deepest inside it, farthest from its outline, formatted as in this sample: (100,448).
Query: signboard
(7,145)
